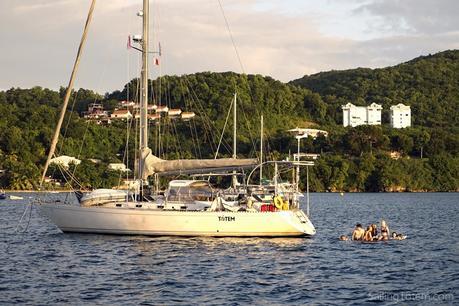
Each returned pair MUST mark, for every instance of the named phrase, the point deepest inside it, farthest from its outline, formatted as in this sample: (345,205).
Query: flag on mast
(129,46)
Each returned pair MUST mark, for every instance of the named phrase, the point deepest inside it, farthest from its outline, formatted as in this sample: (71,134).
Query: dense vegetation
(352,159)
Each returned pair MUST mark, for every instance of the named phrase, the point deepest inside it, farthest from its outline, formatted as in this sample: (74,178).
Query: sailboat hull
(152,222)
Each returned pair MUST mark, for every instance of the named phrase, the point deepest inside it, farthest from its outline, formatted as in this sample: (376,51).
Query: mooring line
(23,231)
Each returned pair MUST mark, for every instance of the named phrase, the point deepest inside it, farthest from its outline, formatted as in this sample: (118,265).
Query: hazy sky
(285,39)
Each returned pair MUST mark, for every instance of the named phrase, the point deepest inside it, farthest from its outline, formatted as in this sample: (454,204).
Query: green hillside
(352,159)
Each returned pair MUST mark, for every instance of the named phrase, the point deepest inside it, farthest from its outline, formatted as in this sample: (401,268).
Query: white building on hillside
(121,114)
(360,115)
(118,167)
(65,161)
(400,116)
(308,132)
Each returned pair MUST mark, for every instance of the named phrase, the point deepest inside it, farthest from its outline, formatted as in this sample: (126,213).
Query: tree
(420,139)
(317,108)
(402,143)
(363,139)
(445,172)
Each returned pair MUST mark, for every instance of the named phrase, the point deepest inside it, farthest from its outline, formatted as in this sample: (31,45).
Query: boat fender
(249,203)
(285,205)
(278,202)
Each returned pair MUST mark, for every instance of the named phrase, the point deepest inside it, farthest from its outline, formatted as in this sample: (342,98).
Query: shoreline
(34,191)
(336,192)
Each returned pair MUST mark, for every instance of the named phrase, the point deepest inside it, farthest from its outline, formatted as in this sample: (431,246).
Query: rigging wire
(231,36)
(96,99)
(130,124)
(60,148)
(69,117)
(128,87)
(209,125)
(243,71)
(248,125)
(174,130)
(67,95)
(224,128)
(197,139)
(241,66)
(71,177)
(187,99)
(136,122)
(203,114)
(191,125)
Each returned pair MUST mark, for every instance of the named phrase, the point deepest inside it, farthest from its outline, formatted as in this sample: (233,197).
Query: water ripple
(44,266)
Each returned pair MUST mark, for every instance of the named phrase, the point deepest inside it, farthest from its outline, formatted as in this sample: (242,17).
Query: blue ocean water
(44,266)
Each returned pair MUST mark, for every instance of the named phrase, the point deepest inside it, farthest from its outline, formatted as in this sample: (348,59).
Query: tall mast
(261,149)
(298,165)
(234,125)
(68,92)
(144,84)
(234,177)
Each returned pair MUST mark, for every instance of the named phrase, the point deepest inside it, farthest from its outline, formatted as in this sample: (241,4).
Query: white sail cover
(153,164)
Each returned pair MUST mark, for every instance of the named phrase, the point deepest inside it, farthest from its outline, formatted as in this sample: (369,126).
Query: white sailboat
(117,213)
